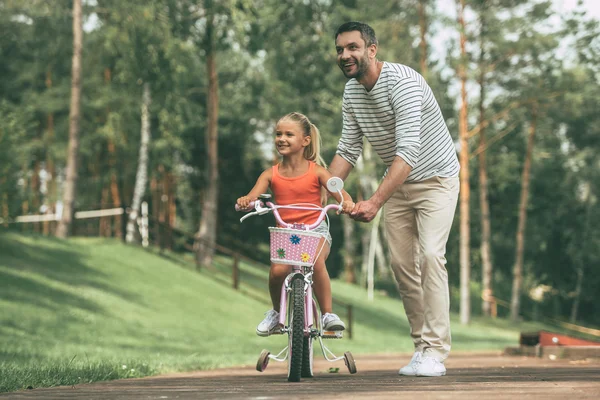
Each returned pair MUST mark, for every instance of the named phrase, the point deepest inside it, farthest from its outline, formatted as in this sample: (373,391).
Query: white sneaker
(411,368)
(268,325)
(332,322)
(430,366)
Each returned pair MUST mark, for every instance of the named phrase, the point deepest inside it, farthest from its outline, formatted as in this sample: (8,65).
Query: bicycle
(299,317)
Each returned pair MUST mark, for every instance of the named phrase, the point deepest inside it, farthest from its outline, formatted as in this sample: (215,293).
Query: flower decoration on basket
(305,257)
(281,253)
(295,239)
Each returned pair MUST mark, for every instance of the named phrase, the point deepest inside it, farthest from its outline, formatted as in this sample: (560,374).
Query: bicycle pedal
(333,334)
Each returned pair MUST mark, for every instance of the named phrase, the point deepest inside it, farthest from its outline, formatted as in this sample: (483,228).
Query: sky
(591,6)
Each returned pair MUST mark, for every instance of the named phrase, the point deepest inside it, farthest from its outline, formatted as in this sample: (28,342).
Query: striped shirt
(399,117)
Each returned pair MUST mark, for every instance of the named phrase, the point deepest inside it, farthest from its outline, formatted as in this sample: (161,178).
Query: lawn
(85,310)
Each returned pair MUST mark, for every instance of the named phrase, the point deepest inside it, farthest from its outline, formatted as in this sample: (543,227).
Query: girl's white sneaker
(268,325)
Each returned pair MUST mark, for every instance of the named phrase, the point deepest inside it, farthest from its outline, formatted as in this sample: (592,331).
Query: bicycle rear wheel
(296,329)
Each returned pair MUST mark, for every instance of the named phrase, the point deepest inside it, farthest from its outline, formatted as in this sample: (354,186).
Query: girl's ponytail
(313,150)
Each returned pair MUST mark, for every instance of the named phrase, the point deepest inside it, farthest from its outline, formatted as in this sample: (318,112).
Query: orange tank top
(305,188)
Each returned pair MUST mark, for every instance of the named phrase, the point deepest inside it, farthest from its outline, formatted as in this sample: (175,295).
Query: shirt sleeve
(350,144)
(407,102)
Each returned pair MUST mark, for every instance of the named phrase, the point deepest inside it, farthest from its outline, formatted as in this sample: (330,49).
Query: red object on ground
(544,338)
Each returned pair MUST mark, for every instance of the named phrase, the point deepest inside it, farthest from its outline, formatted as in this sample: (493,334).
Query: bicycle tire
(296,330)
(308,350)
(307,357)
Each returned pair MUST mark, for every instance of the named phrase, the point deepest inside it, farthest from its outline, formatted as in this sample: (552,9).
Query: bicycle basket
(293,246)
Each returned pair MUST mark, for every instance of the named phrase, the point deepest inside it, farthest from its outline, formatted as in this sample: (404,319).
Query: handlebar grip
(249,208)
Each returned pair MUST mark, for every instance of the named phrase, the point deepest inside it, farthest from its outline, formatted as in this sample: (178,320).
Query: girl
(298,179)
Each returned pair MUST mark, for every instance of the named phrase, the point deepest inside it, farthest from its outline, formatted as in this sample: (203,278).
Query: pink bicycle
(299,317)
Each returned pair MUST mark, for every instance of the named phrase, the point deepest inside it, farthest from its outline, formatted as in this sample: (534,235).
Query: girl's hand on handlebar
(244,202)
(347,207)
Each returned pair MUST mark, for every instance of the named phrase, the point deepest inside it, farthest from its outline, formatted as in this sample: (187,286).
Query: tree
(465,266)
(64,225)
(525,177)
(141,178)
(206,236)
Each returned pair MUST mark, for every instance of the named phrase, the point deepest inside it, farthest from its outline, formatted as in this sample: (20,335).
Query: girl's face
(289,138)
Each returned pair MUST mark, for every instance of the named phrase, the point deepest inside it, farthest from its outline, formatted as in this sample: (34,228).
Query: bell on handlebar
(265,197)
(335,184)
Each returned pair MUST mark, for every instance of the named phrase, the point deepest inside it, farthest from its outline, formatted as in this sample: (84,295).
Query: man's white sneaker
(430,366)
(411,368)
(332,322)
(268,325)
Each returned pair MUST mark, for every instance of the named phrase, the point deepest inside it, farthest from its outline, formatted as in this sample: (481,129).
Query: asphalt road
(470,376)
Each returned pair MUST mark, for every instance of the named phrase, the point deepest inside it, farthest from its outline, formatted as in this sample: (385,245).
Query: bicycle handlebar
(265,208)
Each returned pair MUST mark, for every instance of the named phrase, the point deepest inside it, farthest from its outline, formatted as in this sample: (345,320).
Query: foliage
(274,57)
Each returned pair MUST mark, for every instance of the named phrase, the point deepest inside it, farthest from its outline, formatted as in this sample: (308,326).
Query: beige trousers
(418,218)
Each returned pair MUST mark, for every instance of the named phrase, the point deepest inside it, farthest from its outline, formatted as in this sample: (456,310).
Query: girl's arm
(346,200)
(262,184)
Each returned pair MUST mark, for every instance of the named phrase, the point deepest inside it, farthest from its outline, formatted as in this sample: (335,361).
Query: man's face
(352,54)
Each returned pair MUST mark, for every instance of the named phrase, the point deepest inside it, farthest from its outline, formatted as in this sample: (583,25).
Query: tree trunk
(585,234)
(515,303)
(381,260)
(114,189)
(423,42)
(486,258)
(172,181)
(5,203)
(465,266)
(35,193)
(141,177)
(64,225)
(104,223)
(206,236)
(51,184)
(112,162)
(349,250)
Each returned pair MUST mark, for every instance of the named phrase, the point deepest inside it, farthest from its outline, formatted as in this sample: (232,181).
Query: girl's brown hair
(312,152)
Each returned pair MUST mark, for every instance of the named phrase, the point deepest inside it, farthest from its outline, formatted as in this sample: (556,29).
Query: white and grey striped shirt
(399,117)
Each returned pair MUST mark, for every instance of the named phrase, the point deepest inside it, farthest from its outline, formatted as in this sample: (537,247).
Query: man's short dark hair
(366,32)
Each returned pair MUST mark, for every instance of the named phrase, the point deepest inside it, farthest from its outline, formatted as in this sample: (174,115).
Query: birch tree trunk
(349,250)
(515,303)
(465,266)
(206,236)
(380,257)
(486,258)
(141,177)
(64,225)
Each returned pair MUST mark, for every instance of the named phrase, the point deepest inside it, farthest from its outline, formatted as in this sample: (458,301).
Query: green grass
(85,310)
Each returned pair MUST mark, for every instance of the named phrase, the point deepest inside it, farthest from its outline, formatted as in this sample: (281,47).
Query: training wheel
(349,361)
(263,360)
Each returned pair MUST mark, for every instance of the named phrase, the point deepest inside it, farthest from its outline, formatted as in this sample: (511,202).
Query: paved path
(470,376)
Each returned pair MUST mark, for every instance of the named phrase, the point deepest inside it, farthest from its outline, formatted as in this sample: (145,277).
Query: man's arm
(340,167)
(365,211)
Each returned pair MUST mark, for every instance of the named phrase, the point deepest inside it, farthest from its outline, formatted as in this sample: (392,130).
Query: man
(394,108)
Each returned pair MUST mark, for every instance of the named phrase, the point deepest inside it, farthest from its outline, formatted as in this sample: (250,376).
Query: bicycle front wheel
(296,330)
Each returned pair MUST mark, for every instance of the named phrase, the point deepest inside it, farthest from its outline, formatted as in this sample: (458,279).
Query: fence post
(349,321)
(236,271)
